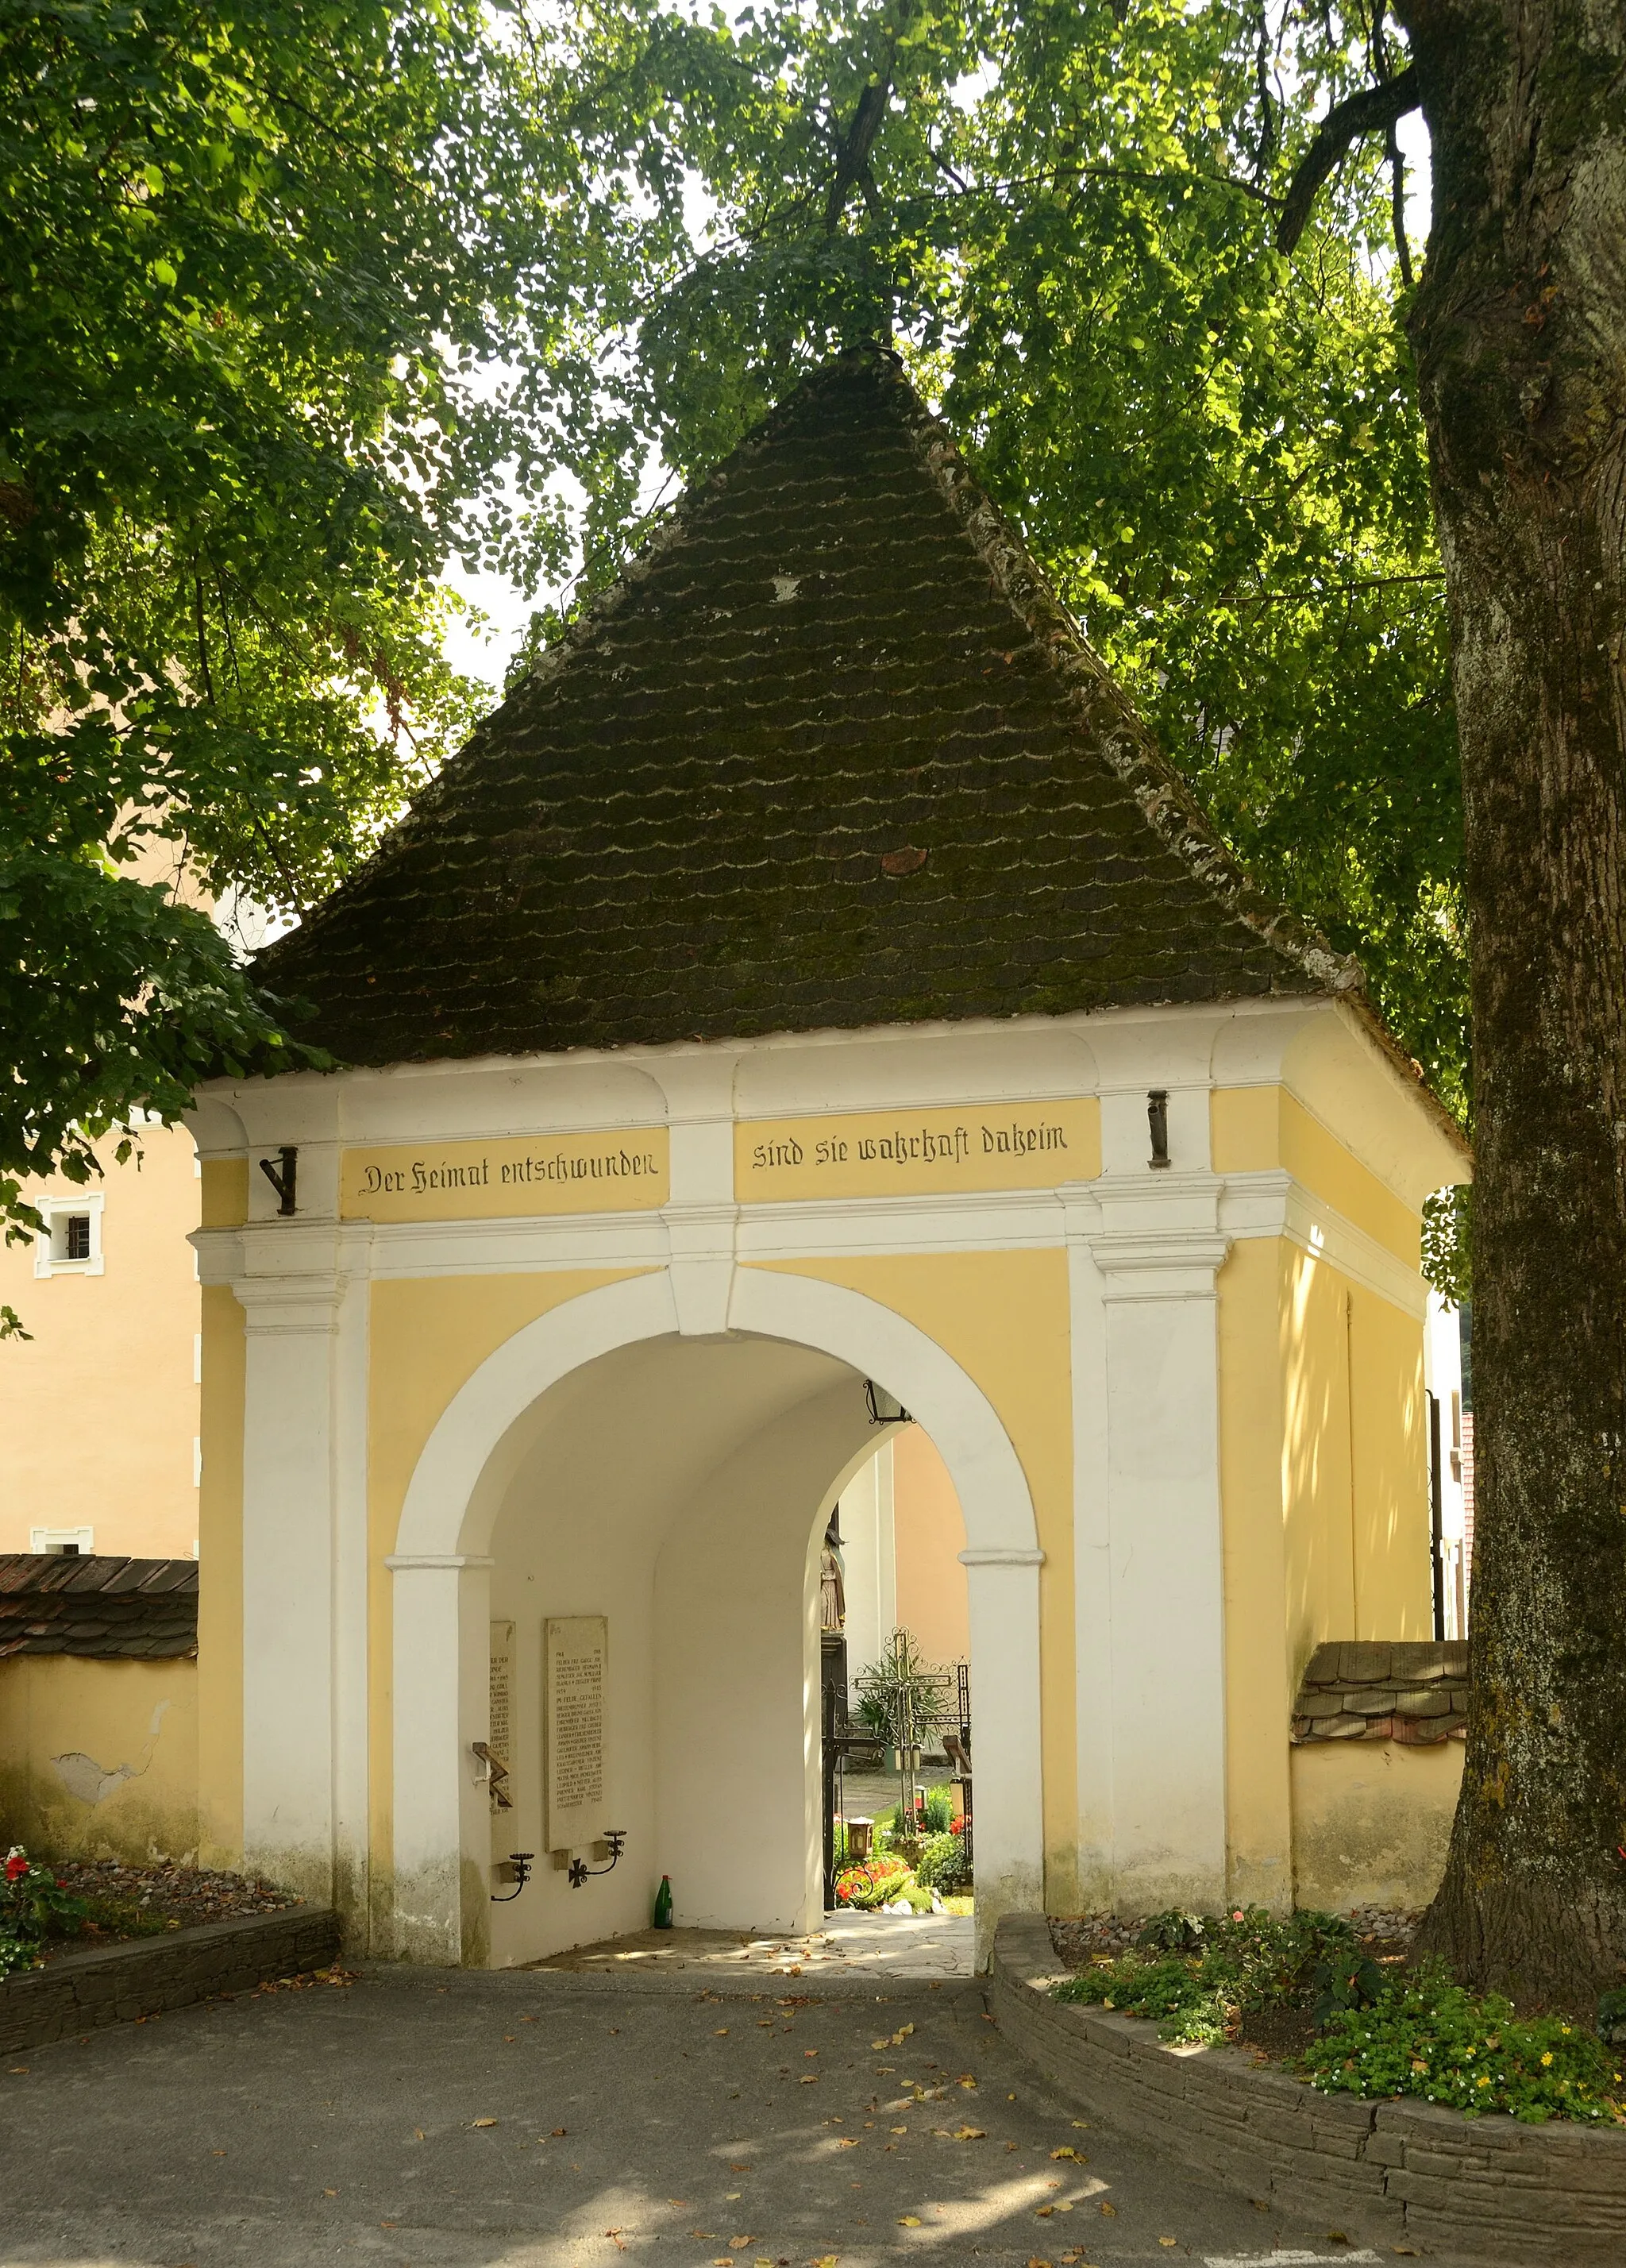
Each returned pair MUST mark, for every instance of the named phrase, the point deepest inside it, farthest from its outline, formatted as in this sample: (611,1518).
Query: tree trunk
(1519,330)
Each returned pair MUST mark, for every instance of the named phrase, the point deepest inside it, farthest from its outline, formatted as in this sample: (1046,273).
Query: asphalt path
(430,2119)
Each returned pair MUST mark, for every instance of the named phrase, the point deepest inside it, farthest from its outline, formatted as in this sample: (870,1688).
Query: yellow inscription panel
(488,1181)
(1009,1146)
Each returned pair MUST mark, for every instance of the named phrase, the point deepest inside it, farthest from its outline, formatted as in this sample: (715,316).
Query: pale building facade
(902,1534)
(98,1407)
(810,979)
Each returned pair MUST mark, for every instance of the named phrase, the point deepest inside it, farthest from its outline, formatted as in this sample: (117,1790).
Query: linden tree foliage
(1062,212)
(254,257)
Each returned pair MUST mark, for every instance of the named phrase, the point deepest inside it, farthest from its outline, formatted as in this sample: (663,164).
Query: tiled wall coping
(79,1992)
(1486,2189)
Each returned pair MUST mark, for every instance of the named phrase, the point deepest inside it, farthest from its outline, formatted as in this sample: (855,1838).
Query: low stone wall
(80,1991)
(1489,2190)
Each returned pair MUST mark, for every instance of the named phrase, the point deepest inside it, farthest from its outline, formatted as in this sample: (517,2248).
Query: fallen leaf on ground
(1066,2151)
(897,2130)
(900,2035)
(330,2192)
(971,2133)
(721,2032)
(417,2133)
(878,2045)
(1109,2209)
(847,2142)
(556,2132)
(1168,2240)
(908,2221)
(808,2079)
(1043,2211)
(485,2122)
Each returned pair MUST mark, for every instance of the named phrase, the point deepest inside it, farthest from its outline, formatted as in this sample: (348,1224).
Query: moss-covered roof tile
(691,819)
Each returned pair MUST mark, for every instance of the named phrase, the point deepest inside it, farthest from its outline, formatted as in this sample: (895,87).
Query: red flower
(16,1866)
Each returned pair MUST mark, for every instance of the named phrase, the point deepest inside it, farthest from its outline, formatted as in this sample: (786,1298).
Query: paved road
(525,2121)
(847,1944)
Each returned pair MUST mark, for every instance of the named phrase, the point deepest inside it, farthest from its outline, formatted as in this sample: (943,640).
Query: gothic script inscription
(1012,1145)
(576,1653)
(499,1740)
(506,1179)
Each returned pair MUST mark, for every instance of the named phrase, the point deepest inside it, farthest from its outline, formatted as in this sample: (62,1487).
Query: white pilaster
(443,1637)
(1151,1563)
(291,1328)
(701,1214)
(1002,1585)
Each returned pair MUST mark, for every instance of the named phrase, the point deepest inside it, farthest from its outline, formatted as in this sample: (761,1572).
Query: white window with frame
(70,1244)
(63,1542)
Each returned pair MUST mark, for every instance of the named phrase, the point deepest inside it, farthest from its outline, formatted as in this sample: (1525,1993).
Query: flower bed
(1379,2030)
(1414,2174)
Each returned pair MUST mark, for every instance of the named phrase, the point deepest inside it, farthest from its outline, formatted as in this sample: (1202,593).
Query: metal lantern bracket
(613,1840)
(283,1177)
(521,1863)
(885,1409)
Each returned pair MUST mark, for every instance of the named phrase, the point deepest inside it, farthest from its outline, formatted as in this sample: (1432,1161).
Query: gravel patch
(162,1894)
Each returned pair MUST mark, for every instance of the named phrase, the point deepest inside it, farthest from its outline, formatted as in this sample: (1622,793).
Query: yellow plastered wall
(425,1339)
(1254,1128)
(98,1759)
(1004,1317)
(225,1192)
(1371,1820)
(220,1583)
(98,1409)
(929,1533)
(1324,1471)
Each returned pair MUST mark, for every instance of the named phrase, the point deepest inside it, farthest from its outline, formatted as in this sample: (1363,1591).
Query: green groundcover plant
(1418,2034)
(1429,2037)
(1197,1977)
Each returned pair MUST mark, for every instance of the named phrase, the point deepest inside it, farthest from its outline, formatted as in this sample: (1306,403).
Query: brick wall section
(81,1990)
(1486,2189)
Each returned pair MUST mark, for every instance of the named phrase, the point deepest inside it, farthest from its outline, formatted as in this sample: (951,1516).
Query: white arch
(441,1591)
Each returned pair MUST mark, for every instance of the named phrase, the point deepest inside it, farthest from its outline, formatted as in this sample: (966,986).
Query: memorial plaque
(500,1738)
(576,1661)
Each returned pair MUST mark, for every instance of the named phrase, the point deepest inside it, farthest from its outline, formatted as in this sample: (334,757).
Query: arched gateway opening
(602,1467)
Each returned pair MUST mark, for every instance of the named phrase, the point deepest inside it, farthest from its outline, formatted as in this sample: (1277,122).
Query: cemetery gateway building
(811,976)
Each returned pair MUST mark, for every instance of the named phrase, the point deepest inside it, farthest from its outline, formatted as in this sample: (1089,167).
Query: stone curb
(1489,2189)
(80,1992)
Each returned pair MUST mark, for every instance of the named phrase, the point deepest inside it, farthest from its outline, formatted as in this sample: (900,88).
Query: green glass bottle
(663,1903)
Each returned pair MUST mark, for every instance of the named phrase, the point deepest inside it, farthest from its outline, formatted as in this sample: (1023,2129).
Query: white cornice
(1131,1225)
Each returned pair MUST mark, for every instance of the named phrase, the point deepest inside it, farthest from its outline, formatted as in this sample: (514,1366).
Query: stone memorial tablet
(576,1654)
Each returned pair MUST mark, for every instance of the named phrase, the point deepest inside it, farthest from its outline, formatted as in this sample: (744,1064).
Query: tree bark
(1520,331)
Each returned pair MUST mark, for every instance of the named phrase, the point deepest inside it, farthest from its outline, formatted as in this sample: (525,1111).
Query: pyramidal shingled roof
(830,754)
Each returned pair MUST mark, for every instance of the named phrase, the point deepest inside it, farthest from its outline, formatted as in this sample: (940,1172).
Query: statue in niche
(832,1582)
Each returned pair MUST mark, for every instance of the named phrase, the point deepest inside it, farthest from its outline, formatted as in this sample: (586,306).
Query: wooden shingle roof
(831,754)
(98,1606)
(1414,1690)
